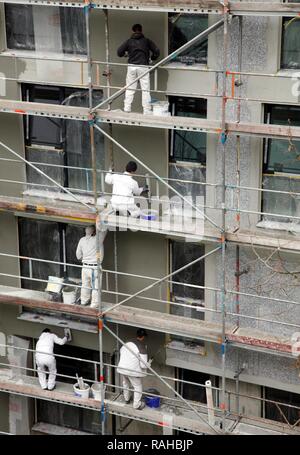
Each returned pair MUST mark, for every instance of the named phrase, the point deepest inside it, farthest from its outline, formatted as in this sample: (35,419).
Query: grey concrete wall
(142,254)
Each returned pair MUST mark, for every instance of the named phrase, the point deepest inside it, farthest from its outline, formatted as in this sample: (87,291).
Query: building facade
(253,287)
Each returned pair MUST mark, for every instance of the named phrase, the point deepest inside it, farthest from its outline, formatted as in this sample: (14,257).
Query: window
(49,241)
(187,152)
(57,143)
(281,164)
(281,413)
(70,416)
(184,27)
(193,392)
(290,49)
(42,28)
(188,146)
(181,253)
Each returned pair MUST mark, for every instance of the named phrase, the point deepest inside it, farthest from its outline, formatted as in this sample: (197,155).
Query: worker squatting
(182,445)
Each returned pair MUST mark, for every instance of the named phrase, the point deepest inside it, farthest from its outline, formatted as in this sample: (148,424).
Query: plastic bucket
(149,214)
(160,108)
(69,296)
(96,391)
(152,402)
(82,393)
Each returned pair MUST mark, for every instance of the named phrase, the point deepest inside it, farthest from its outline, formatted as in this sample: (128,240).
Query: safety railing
(109,293)
(269,196)
(288,414)
(100,74)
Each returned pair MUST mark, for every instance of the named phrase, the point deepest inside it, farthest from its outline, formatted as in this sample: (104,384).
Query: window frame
(61,229)
(288,400)
(182,61)
(282,40)
(63,142)
(20,51)
(267,205)
(268,141)
(174,109)
(63,366)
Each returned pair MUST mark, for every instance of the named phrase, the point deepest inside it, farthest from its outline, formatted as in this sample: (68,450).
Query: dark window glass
(182,254)
(41,240)
(184,27)
(68,416)
(188,145)
(193,392)
(49,241)
(280,412)
(77,144)
(19,27)
(290,49)
(282,155)
(41,28)
(72,22)
(281,166)
(70,138)
(43,130)
(73,235)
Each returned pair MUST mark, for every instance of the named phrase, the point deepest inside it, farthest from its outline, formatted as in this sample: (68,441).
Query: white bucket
(96,391)
(82,393)
(69,297)
(161,108)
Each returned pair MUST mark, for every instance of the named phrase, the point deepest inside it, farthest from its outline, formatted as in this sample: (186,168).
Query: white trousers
(123,209)
(132,73)
(89,277)
(131,382)
(46,364)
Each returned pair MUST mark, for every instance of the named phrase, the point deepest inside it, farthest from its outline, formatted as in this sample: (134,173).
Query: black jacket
(139,48)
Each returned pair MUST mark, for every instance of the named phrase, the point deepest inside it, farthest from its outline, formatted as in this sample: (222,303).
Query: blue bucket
(152,402)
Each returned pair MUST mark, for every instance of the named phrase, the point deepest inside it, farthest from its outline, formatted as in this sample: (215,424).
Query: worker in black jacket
(139,50)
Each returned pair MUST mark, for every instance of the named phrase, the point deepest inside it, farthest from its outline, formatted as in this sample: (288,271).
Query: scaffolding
(88,210)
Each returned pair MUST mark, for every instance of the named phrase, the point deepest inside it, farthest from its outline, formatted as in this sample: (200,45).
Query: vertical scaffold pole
(223,241)
(111,154)
(88,9)
(238,183)
(108,85)
(111,166)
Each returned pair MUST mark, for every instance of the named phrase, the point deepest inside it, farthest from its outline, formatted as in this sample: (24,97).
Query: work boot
(141,406)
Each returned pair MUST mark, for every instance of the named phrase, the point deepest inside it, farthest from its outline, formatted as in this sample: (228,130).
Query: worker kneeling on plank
(124,190)
(87,253)
(139,50)
(45,359)
(133,367)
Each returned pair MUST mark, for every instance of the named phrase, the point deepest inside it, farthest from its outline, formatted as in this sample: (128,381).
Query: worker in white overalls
(45,359)
(133,366)
(123,191)
(87,253)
